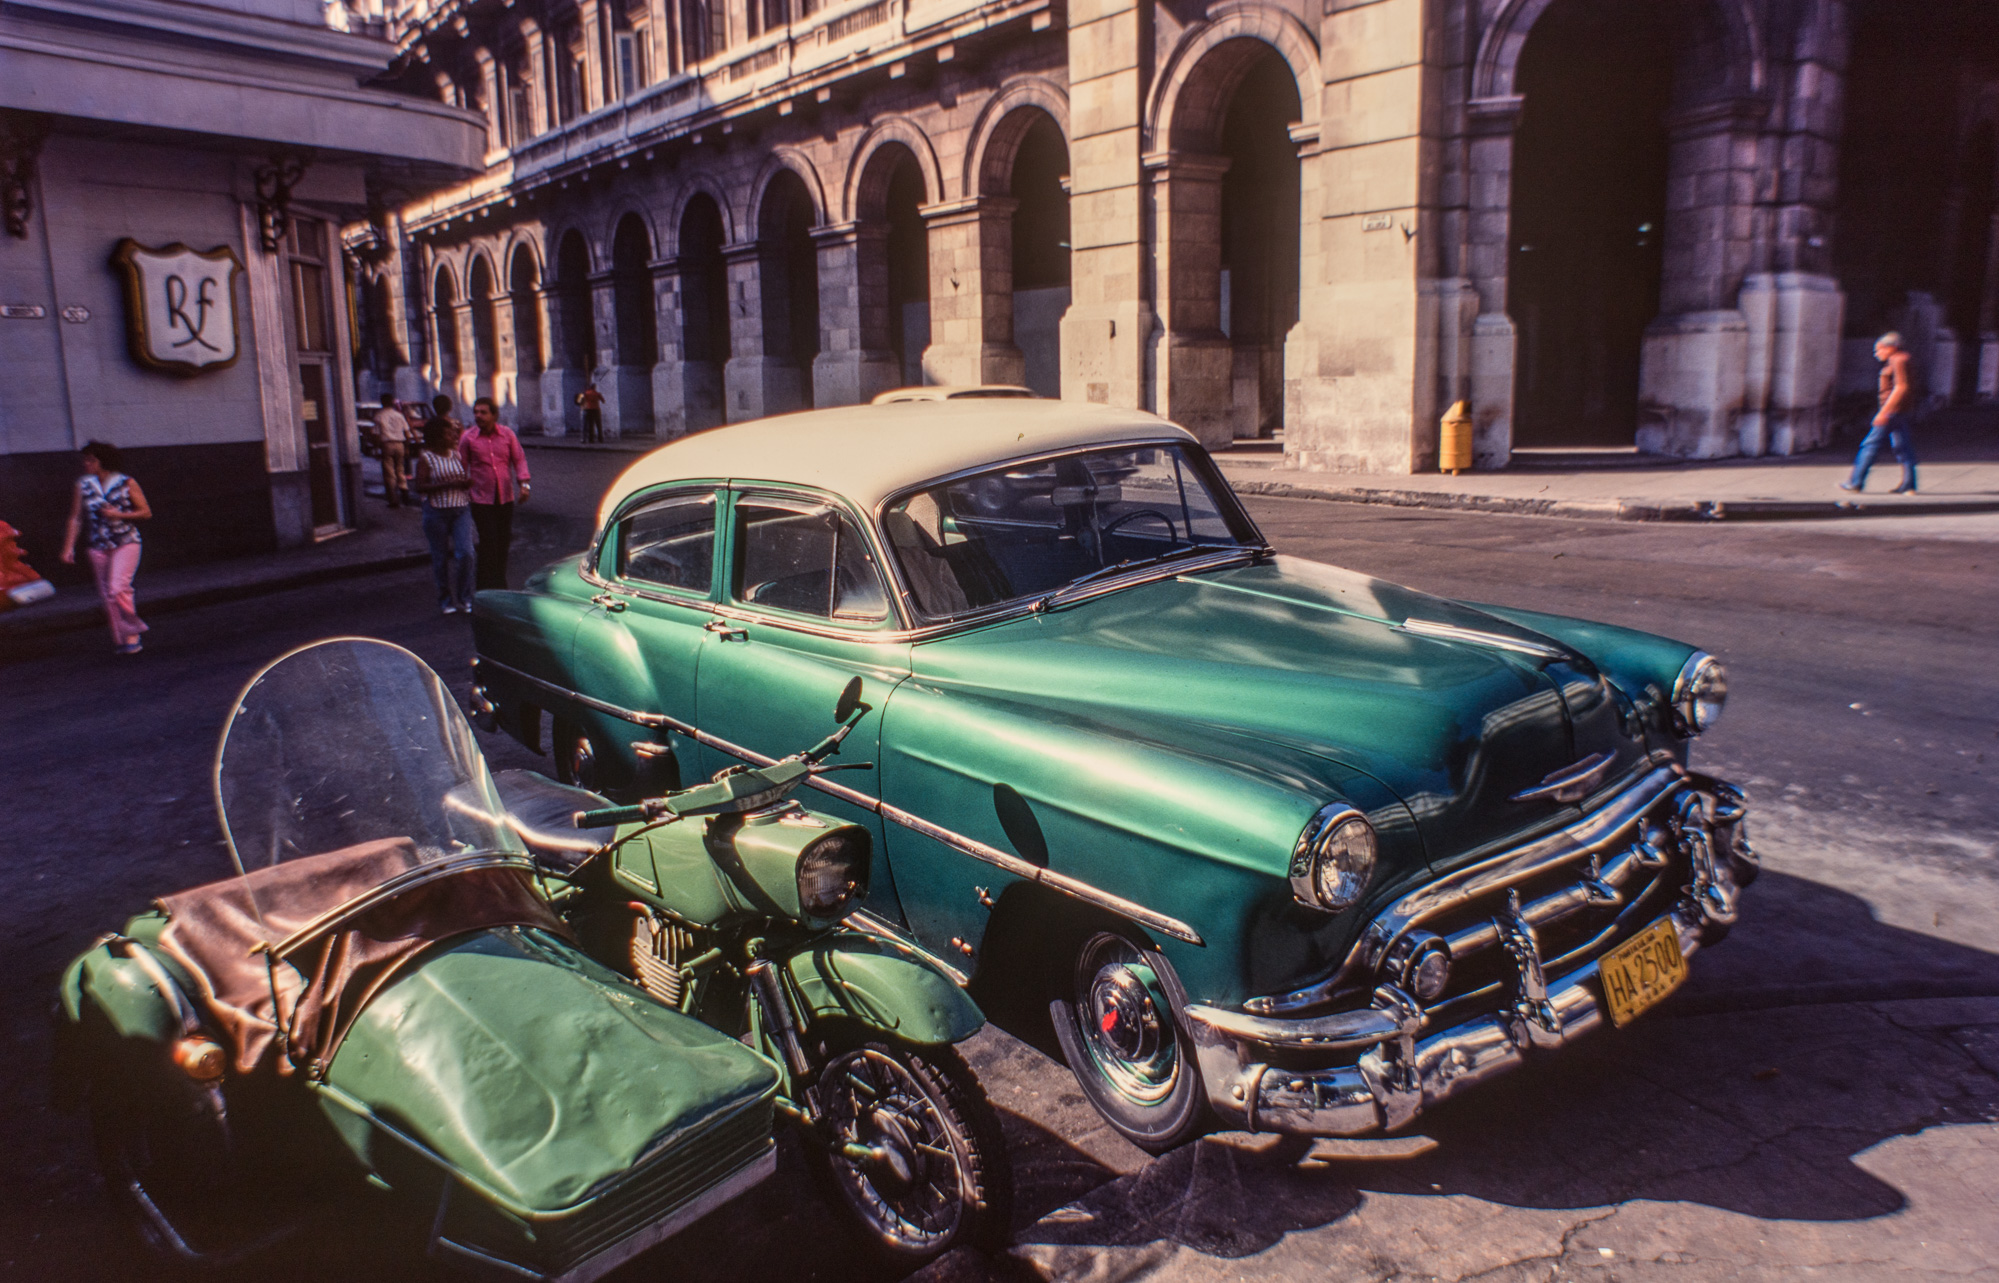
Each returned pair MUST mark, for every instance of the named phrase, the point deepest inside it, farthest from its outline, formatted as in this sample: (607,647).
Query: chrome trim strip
(1571,783)
(1497,641)
(957,841)
(888,933)
(1590,834)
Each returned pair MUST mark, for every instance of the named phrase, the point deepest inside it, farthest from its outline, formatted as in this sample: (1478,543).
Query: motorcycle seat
(542,811)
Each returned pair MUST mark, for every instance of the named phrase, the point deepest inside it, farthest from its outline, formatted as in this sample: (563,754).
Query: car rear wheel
(1118,1032)
(576,758)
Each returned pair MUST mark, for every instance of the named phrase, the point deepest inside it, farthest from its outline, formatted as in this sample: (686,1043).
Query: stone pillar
(518,380)
(1109,323)
(686,395)
(1694,362)
(1794,321)
(559,382)
(506,362)
(538,73)
(627,388)
(971,292)
(595,86)
(465,388)
(855,361)
(755,384)
(1190,356)
(492,104)
(1361,363)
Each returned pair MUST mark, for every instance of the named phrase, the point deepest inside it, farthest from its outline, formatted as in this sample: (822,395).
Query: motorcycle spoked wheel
(944,1181)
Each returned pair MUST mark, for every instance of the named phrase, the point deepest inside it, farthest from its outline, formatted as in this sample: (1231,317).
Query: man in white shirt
(392,431)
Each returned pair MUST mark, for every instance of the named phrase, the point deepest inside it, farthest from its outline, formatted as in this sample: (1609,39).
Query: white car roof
(865,453)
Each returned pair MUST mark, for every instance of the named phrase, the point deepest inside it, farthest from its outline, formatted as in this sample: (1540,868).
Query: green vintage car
(1277,846)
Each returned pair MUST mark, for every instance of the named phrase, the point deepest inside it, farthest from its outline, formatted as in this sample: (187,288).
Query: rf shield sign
(180,305)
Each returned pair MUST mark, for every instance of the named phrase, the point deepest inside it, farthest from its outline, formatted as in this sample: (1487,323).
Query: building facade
(172,270)
(1668,223)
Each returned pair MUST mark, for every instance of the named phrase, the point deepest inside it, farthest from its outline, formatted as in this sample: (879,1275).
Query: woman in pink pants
(106,503)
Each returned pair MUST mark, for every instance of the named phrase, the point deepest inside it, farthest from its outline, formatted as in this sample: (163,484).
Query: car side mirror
(850,701)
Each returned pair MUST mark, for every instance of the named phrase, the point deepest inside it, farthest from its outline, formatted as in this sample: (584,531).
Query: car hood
(1297,654)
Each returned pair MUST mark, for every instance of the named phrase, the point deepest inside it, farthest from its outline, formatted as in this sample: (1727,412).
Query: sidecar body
(383,997)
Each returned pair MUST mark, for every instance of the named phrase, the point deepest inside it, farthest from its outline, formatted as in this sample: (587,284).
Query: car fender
(866,980)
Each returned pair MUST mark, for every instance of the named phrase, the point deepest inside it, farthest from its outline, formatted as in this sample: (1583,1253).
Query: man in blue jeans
(1891,421)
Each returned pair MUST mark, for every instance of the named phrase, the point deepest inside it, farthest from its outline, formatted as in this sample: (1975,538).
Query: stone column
(559,382)
(1362,359)
(595,84)
(1190,356)
(489,89)
(855,361)
(971,292)
(1108,327)
(686,395)
(1694,363)
(1794,322)
(465,388)
(755,384)
(514,408)
(538,73)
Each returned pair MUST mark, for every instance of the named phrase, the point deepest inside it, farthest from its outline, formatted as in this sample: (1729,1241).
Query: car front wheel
(1118,1033)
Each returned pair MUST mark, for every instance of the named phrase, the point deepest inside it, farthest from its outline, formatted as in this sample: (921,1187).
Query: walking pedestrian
(392,436)
(106,504)
(443,407)
(493,462)
(1897,399)
(447,514)
(592,402)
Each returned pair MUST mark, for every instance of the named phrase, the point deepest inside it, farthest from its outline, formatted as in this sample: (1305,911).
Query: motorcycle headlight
(1700,692)
(1333,860)
(833,873)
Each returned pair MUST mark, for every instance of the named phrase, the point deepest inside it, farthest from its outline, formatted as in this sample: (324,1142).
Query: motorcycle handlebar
(609,816)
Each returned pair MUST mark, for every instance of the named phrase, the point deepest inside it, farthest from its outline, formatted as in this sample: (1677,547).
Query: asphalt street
(1821,1098)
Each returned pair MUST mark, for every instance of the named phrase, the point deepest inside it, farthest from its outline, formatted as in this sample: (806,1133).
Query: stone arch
(443,309)
(695,187)
(1194,88)
(866,180)
(1497,64)
(781,160)
(604,241)
(575,330)
(481,288)
(1001,125)
(523,240)
(524,283)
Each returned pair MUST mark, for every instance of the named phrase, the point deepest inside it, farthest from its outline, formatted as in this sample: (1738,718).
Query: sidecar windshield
(349,741)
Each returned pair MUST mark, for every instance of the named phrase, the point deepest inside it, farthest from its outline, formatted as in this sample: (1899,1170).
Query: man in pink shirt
(493,460)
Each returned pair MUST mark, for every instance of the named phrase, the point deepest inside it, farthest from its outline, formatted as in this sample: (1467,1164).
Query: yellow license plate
(1641,971)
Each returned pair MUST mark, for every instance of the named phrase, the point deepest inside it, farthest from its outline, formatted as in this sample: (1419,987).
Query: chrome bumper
(1399,1074)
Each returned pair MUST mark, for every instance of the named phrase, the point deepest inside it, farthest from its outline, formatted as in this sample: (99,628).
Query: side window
(806,558)
(671,543)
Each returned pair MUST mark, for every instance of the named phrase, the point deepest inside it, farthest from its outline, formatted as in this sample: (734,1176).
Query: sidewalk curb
(25,622)
(1611,509)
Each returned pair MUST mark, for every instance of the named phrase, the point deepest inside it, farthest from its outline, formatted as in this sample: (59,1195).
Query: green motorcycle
(556,1045)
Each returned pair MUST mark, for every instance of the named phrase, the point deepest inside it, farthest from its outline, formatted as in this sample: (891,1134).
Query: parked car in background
(1275,844)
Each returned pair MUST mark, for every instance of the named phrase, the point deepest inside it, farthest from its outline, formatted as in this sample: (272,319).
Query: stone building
(1600,222)
(175,177)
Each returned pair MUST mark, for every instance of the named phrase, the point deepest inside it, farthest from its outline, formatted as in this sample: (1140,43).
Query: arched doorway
(637,314)
(892,267)
(1259,233)
(1588,217)
(704,311)
(1039,183)
(522,301)
(1226,208)
(788,271)
(444,319)
(485,329)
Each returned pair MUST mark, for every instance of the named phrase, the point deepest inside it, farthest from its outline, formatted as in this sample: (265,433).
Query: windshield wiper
(1134,563)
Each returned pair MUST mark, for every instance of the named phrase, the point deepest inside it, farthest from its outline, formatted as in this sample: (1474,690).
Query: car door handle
(610,603)
(727,632)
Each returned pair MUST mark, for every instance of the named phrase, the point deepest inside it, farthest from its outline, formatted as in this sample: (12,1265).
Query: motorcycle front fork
(777,1024)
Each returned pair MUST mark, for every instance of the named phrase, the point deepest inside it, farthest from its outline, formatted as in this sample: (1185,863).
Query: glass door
(312,341)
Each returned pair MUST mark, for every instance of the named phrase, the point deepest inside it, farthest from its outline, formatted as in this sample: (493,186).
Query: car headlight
(1334,858)
(1700,691)
(833,873)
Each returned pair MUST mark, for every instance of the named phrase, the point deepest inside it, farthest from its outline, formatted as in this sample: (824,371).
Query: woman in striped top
(447,514)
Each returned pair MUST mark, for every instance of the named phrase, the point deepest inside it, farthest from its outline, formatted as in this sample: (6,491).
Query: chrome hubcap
(1127,1026)
(911,1191)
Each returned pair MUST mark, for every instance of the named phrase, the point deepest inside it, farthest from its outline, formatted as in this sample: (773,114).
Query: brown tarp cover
(214,931)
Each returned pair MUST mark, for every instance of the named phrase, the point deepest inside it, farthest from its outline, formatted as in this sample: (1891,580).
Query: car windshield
(351,741)
(1029,530)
